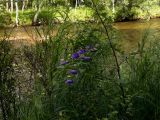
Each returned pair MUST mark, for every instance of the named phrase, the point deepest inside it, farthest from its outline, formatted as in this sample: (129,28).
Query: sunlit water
(130,33)
(24,35)
(133,32)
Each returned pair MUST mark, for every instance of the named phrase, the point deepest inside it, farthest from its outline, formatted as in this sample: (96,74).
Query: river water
(133,32)
(130,33)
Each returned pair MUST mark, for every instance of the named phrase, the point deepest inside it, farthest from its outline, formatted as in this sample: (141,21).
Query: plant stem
(113,50)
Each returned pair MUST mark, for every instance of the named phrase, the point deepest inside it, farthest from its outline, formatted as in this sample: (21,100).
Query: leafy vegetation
(79,74)
(36,10)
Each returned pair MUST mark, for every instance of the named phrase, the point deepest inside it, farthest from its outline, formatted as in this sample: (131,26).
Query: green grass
(81,14)
(57,14)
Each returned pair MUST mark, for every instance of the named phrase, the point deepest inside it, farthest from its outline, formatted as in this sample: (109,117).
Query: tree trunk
(11,6)
(76,3)
(35,22)
(113,6)
(7,5)
(16,5)
(23,5)
(26,5)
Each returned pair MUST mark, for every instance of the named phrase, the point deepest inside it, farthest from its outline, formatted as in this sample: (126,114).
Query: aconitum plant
(86,59)
(75,56)
(69,82)
(64,62)
(73,72)
(78,55)
(82,51)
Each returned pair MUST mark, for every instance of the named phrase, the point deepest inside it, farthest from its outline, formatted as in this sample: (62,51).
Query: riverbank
(51,15)
(82,13)
(129,33)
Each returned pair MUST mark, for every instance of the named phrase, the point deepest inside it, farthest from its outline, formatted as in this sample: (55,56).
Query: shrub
(5,18)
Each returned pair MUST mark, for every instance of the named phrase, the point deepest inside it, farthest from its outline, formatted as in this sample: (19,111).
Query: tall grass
(143,84)
(56,99)
(7,82)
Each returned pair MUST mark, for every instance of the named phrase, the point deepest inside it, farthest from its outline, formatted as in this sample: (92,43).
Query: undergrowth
(78,74)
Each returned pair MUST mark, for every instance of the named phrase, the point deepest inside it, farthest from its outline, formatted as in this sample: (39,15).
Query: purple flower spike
(69,82)
(86,59)
(75,55)
(74,72)
(82,51)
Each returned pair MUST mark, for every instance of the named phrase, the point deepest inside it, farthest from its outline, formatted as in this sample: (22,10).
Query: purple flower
(69,82)
(75,55)
(64,62)
(82,51)
(86,59)
(74,72)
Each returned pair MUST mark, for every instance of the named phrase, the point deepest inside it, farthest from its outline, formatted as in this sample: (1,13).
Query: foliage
(5,18)
(57,9)
(25,18)
(7,82)
(91,90)
(76,75)
(143,84)
(81,100)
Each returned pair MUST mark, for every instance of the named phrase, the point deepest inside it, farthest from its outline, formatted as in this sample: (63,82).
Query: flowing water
(24,35)
(130,33)
(134,31)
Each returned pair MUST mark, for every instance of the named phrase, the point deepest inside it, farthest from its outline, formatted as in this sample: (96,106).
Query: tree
(113,8)
(7,5)
(23,5)
(39,6)
(11,6)
(16,5)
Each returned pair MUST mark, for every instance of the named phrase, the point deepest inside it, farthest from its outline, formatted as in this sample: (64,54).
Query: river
(130,33)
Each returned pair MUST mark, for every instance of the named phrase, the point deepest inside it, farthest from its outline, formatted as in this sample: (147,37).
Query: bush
(5,18)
